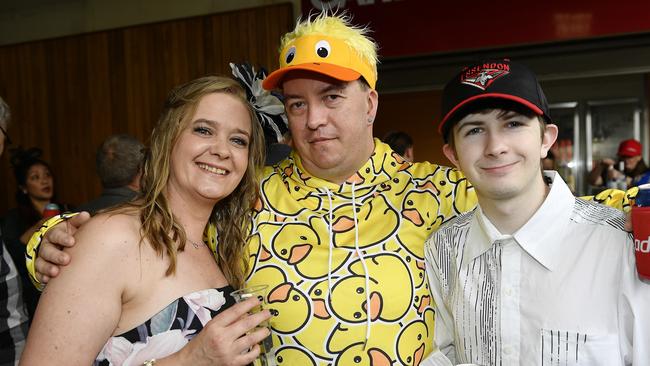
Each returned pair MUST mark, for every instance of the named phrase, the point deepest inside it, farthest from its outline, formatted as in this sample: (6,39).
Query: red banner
(412,27)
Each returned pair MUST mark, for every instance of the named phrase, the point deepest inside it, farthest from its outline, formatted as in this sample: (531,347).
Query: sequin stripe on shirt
(588,211)
(474,302)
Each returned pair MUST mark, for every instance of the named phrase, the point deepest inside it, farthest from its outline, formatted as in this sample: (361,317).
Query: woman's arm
(80,309)
(595,177)
(24,238)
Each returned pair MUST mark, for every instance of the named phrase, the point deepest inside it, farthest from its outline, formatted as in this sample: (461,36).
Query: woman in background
(35,189)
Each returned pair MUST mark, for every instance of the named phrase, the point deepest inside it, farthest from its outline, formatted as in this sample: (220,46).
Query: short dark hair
(119,160)
(22,160)
(398,141)
(484,106)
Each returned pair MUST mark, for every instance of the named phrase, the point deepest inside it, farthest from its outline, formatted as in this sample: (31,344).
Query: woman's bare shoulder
(107,231)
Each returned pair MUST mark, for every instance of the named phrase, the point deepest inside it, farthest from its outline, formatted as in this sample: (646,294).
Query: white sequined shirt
(562,290)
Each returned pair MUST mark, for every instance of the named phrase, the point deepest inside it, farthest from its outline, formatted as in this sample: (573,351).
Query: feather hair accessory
(268,106)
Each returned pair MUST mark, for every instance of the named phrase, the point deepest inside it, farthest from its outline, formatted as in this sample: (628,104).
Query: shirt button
(508,291)
(507,350)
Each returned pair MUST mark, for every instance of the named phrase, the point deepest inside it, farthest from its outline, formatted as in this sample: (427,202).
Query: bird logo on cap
(483,78)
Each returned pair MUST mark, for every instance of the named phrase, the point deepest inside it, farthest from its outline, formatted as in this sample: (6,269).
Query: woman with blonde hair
(143,283)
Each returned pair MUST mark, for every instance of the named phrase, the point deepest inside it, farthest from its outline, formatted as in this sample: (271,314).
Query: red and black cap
(491,79)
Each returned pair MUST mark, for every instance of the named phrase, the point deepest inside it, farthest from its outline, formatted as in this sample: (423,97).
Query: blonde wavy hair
(338,26)
(231,215)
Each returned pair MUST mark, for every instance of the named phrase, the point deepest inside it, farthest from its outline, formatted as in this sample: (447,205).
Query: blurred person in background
(35,190)
(13,315)
(401,143)
(119,167)
(630,171)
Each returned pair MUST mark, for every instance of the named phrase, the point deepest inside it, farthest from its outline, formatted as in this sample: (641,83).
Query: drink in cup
(51,209)
(267,354)
(641,229)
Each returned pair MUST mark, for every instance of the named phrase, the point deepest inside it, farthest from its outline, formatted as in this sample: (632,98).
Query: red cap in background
(629,148)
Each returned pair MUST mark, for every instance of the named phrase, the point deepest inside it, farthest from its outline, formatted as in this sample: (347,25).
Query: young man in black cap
(532,276)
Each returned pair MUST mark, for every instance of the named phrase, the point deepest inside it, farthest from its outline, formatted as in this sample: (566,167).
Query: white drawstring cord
(363,263)
(329,259)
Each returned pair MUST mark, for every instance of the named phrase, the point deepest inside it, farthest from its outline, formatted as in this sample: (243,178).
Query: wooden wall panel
(417,114)
(68,94)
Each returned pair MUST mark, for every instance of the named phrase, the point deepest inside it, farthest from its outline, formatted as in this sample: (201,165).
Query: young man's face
(500,155)
(330,123)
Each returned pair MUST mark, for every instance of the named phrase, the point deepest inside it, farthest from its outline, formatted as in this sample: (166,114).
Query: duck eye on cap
(323,48)
(322,54)
(291,54)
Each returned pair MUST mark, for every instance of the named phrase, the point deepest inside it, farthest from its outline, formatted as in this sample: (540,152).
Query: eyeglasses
(8,142)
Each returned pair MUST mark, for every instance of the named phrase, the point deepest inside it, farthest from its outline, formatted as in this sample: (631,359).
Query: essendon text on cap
(481,76)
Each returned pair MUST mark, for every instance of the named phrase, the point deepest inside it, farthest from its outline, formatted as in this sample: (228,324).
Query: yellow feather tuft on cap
(337,26)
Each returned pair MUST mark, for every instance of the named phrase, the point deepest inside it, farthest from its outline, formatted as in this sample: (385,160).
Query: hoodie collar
(382,165)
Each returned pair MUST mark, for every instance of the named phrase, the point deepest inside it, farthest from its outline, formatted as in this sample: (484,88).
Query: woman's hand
(229,339)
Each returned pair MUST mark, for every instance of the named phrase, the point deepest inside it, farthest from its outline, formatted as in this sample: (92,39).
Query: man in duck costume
(335,212)
(338,234)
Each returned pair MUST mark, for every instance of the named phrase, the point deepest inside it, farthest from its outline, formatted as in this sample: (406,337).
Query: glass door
(590,131)
(567,148)
(607,124)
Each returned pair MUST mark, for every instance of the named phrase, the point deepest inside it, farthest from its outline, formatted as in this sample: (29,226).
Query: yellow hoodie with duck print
(344,264)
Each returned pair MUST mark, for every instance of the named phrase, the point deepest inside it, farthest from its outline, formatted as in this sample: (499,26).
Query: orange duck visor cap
(323,55)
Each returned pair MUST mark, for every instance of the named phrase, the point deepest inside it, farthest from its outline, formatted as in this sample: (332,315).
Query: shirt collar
(540,237)
(482,235)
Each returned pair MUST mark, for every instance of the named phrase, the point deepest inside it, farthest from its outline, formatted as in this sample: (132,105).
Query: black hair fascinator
(268,106)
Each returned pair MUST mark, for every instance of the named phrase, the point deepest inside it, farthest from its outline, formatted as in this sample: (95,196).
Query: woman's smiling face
(210,155)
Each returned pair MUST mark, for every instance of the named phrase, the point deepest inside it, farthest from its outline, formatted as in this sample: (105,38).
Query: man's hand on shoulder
(50,253)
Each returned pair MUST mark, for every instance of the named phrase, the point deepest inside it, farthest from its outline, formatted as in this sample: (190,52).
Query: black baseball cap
(491,79)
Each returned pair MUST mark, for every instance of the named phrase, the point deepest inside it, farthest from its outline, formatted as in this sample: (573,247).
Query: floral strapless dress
(166,332)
